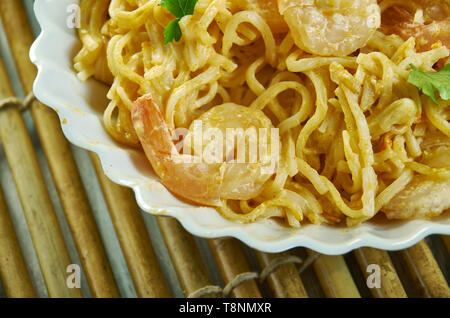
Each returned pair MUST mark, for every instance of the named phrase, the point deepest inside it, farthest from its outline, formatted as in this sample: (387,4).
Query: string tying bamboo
(273,263)
(231,262)
(60,159)
(228,289)
(282,275)
(17,102)
(13,271)
(192,272)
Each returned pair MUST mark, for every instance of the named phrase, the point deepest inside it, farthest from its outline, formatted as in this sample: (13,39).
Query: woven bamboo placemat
(57,208)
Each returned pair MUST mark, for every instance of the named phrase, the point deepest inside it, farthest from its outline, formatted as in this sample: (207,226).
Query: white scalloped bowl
(79,106)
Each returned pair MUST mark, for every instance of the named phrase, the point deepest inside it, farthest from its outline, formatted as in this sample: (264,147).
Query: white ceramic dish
(79,106)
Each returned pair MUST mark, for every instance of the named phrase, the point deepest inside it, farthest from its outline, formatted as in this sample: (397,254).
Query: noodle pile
(351,127)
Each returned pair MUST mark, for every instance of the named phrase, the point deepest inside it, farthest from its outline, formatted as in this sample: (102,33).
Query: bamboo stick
(37,206)
(231,262)
(425,271)
(13,271)
(20,38)
(284,282)
(61,162)
(391,286)
(186,258)
(334,277)
(126,216)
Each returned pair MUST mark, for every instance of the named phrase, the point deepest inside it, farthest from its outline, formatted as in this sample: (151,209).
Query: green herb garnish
(180,9)
(429,83)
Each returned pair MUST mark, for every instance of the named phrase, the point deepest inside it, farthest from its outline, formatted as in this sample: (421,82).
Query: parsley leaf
(180,9)
(429,83)
(172,32)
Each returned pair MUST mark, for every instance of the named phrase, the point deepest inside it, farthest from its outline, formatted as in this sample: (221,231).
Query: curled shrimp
(331,27)
(206,183)
(426,20)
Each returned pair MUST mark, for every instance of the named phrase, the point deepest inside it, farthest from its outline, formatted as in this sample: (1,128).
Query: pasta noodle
(351,127)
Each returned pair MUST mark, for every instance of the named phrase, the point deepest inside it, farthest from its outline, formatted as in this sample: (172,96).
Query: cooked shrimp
(197,180)
(267,9)
(426,20)
(426,195)
(331,27)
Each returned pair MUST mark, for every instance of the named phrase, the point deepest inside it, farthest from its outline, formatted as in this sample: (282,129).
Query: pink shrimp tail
(197,182)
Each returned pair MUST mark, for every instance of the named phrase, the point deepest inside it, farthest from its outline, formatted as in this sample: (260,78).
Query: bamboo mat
(60,209)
